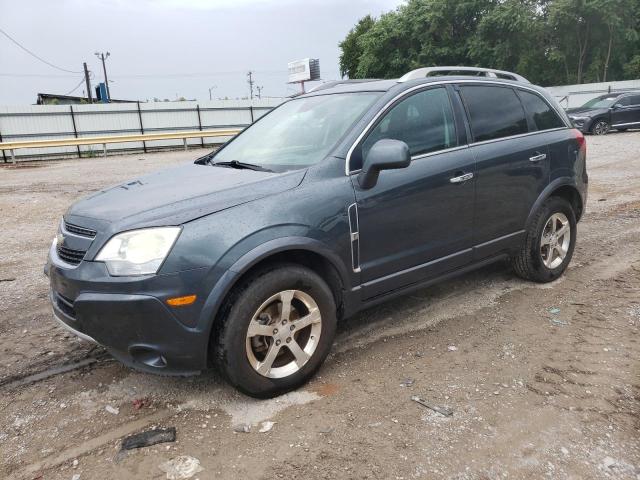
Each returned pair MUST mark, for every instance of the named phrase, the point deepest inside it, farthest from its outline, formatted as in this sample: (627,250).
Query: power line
(197,74)
(34,55)
(144,76)
(76,87)
(36,75)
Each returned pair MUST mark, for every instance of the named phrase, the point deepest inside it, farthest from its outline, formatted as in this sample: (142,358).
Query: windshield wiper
(241,165)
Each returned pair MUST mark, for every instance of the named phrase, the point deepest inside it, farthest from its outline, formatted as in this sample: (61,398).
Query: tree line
(551,42)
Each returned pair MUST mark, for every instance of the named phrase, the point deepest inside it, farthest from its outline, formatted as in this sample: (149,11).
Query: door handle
(461,178)
(537,158)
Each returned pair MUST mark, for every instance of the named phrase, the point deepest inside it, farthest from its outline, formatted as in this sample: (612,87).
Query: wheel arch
(563,188)
(310,253)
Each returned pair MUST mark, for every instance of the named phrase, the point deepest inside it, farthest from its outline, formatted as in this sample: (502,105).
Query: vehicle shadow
(415,311)
(426,306)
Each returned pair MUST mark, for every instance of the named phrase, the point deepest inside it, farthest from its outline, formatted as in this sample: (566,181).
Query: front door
(416,222)
(627,114)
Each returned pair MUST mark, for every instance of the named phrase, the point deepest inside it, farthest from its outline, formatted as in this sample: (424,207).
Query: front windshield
(600,102)
(299,133)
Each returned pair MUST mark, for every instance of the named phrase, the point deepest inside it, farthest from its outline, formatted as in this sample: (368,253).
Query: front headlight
(138,252)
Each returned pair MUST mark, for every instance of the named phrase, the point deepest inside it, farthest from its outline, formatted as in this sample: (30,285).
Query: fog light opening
(149,357)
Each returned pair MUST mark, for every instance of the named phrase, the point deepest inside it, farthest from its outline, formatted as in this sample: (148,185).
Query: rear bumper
(137,328)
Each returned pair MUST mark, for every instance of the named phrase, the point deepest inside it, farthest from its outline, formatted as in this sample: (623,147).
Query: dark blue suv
(333,202)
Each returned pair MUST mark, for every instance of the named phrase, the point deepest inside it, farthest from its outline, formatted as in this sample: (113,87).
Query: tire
(533,261)
(244,359)
(600,127)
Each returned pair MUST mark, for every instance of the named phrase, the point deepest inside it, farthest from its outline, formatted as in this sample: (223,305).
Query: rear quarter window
(541,113)
(494,112)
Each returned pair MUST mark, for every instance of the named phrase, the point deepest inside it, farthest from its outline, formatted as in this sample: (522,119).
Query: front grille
(65,304)
(68,255)
(83,232)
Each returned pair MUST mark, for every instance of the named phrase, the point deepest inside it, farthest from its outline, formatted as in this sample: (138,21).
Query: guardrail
(104,140)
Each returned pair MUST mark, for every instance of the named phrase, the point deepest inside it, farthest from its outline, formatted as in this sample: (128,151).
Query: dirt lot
(544,381)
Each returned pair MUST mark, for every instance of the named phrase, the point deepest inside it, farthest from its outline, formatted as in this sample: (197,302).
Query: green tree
(351,50)
(505,37)
(548,41)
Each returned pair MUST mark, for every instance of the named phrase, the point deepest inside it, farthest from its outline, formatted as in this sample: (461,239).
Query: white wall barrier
(41,122)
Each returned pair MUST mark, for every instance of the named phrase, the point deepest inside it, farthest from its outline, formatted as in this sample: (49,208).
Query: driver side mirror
(617,106)
(385,154)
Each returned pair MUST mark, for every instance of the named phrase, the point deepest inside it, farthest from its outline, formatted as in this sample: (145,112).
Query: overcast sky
(171,48)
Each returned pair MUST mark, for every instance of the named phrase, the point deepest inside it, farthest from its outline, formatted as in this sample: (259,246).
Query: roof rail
(478,71)
(333,83)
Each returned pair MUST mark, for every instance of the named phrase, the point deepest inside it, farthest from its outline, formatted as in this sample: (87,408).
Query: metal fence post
(200,124)
(4,155)
(75,130)
(144,144)
(251,112)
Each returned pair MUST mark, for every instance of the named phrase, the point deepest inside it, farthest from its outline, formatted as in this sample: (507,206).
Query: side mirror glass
(385,154)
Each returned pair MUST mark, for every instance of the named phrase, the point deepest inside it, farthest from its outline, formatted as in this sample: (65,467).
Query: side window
(624,101)
(424,121)
(544,117)
(635,100)
(494,112)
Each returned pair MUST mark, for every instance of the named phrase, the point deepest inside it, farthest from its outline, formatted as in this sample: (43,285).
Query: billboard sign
(304,70)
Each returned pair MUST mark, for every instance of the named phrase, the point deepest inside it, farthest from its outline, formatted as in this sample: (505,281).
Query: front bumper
(128,315)
(584,125)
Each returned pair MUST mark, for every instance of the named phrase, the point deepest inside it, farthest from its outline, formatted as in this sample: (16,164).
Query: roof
(71,99)
(348,86)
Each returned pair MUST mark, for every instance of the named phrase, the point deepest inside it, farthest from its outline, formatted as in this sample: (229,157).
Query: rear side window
(424,121)
(634,100)
(543,116)
(494,112)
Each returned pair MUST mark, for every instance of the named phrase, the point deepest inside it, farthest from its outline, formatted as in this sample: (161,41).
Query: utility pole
(103,57)
(250,82)
(210,89)
(259,92)
(88,82)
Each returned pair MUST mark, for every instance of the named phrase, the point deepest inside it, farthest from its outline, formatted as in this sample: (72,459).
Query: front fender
(229,278)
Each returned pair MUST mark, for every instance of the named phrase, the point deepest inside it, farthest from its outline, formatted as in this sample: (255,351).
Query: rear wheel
(277,331)
(549,242)
(600,127)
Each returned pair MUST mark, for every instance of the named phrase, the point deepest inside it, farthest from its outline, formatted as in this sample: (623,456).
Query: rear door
(512,164)
(627,115)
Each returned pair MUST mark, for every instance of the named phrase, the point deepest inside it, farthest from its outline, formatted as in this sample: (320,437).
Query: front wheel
(601,127)
(549,242)
(277,329)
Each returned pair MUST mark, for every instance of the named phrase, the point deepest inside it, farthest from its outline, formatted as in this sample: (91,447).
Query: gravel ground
(543,380)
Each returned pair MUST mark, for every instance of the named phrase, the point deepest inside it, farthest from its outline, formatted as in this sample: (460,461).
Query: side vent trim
(354,229)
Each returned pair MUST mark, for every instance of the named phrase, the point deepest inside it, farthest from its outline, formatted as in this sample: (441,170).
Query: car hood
(586,112)
(177,195)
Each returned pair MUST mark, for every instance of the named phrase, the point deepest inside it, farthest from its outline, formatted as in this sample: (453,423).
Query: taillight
(582,142)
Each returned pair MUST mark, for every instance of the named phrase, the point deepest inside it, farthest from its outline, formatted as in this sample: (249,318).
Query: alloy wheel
(283,334)
(555,240)
(601,128)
